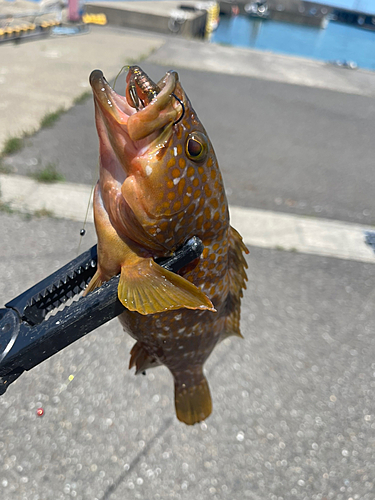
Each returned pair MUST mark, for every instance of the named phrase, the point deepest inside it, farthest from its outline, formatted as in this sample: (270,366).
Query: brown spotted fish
(159,185)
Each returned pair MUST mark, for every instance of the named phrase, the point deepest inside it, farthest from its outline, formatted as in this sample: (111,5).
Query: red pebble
(40,412)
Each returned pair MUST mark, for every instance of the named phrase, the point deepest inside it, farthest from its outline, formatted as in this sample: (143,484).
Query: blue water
(336,42)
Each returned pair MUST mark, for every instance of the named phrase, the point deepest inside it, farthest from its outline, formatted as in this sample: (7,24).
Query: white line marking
(259,228)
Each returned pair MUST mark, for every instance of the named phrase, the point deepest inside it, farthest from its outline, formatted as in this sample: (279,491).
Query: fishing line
(127,66)
(82,231)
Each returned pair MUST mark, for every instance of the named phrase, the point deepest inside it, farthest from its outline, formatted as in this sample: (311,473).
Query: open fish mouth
(136,120)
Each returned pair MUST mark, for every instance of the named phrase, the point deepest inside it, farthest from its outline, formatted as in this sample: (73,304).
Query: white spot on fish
(166,328)
(102,89)
(181,330)
(189,194)
(176,181)
(178,317)
(175,151)
(148,170)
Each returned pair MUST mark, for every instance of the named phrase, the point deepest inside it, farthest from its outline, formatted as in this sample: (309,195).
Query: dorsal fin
(238,278)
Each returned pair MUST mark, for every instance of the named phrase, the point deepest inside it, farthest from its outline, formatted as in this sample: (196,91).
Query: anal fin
(140,358)
(148,288)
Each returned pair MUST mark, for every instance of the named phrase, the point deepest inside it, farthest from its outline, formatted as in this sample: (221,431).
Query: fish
(159,185)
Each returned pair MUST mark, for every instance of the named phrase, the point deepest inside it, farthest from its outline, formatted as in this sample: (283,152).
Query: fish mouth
(140,120)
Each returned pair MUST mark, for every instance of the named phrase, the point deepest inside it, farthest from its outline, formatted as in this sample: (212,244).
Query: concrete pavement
(293,402)
(40,77)
(264,65)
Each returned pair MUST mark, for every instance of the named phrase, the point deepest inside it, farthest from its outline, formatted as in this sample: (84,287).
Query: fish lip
(111,103)
(116,109)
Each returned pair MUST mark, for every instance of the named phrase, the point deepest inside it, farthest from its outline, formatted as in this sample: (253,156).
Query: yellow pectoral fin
(148,288)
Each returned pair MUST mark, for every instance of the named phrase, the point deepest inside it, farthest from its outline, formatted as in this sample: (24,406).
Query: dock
(308,13)
(302,12)
(356,18)
(168,17)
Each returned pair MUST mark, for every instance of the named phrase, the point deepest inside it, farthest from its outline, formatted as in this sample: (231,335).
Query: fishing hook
(183,109)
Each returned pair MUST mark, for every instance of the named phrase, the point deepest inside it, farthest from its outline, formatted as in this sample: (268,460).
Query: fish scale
(159,185)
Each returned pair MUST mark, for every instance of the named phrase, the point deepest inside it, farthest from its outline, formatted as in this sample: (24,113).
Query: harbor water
(338,42)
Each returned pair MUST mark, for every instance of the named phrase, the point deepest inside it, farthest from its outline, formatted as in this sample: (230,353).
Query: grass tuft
(51,118)
(12,145)
(43,212)
(83,97)
(6,208)
(130,61)
(48,174)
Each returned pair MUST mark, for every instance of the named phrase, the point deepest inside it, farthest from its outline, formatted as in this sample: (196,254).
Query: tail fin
(193,402)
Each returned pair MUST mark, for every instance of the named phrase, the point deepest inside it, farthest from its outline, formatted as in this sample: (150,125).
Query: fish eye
(196,146)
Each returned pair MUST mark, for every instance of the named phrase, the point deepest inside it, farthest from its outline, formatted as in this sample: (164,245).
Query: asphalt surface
(296,149)
(293,402)
(294,412)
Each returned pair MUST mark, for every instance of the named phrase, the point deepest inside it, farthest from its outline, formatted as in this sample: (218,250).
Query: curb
(259,228)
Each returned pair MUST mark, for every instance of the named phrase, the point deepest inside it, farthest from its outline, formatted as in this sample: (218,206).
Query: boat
(257,9)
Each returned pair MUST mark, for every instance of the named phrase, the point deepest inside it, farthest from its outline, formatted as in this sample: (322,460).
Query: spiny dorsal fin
(237,275)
